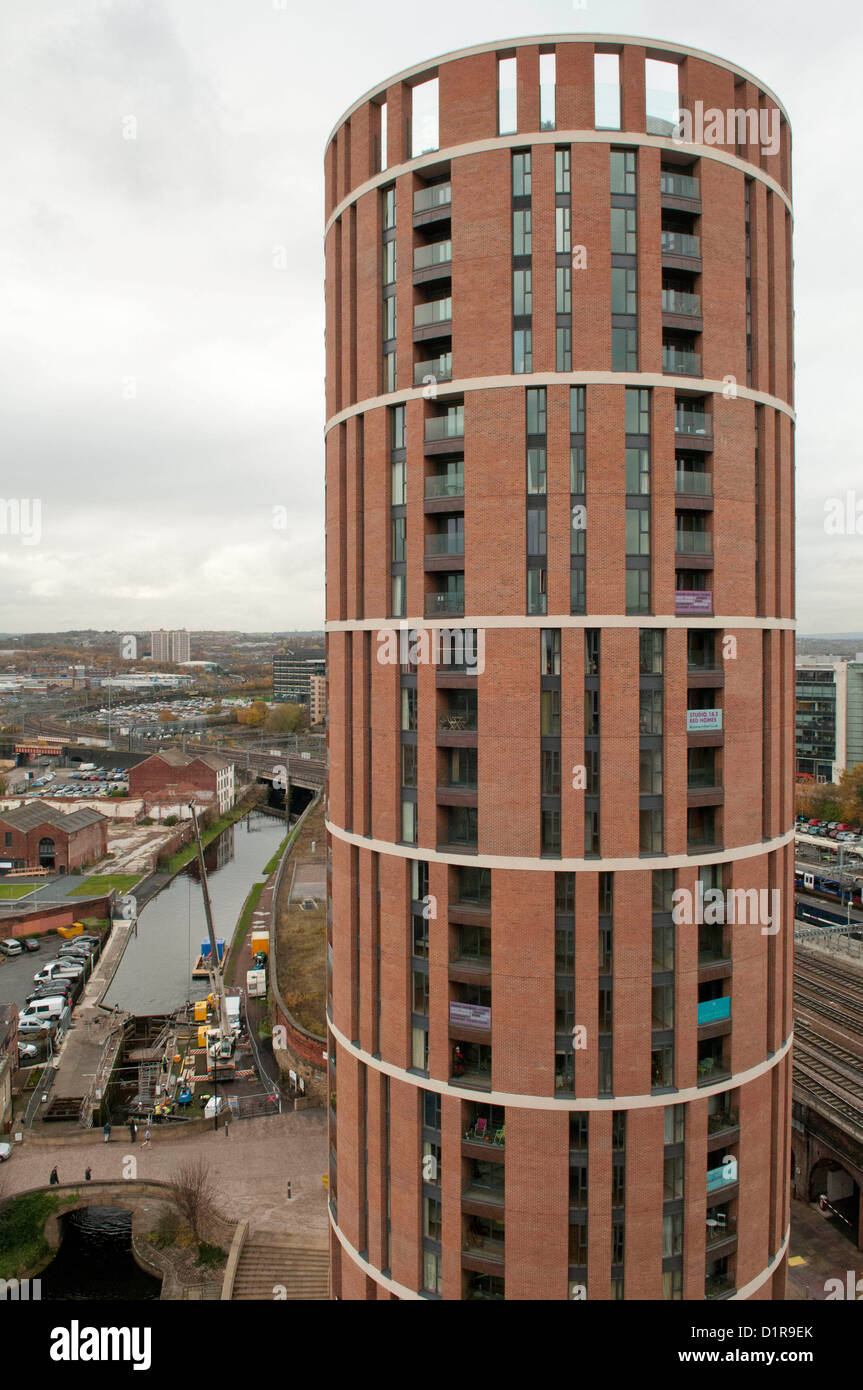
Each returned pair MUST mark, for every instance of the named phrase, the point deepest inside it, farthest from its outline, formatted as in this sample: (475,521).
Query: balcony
(432,262)
(444,434)
(445,544)
(722,1122)
(723,1176)
(719,1286)
(714,1010)
(681,362)
(444,485)
(681,243)
(681,192)
(434,319)
(689,483)
(693,543)
(442,603)
(681,302)
(439,367)
(681,310)
(720,1232)
(692,422)
(431,204)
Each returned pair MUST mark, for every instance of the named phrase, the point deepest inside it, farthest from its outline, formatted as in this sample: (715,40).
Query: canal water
(95,1259)
(155,974)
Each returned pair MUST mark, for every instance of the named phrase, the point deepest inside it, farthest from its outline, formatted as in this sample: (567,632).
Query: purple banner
(473,1015)
(693,601)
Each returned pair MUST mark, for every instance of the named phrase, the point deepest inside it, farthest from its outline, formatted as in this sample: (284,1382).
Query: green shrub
(210,1256)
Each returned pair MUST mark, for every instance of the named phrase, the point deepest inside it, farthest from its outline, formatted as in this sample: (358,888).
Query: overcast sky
(161,386)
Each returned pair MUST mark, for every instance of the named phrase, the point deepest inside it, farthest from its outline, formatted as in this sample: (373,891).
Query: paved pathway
(828,1254)
(250,1168)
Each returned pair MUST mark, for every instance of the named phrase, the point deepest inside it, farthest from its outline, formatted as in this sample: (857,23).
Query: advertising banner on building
(703,721)
(693,601)
(472,1015)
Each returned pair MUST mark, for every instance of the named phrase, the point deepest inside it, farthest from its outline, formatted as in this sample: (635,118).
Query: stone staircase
(299,1264)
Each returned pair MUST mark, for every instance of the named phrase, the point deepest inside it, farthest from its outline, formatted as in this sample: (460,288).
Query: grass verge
(103,883)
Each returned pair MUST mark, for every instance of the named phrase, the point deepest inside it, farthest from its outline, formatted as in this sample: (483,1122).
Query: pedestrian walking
(146,1137)
(133,1131)
(107,1132)
(53,1180)
(88,1173)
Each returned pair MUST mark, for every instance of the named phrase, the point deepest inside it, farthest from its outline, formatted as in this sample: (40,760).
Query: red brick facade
(71,849)
(669,1086)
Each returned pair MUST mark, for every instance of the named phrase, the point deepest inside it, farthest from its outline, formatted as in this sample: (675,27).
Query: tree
(287,718)
(253,715)
(850,795)
(194,1194)
(166,717)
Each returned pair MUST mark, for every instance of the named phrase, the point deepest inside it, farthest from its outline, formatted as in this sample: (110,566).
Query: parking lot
(16,972)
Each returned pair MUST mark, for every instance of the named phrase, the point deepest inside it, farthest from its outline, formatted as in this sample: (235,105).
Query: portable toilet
(200,1010)
(261,942)
(202,1036)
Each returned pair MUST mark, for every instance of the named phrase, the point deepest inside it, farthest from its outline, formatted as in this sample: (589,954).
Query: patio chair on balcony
(499,1135)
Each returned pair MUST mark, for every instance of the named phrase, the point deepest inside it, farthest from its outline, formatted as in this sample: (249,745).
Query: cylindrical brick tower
(560,577)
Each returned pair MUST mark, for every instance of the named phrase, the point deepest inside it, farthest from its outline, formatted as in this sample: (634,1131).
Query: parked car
(31,1025)
(50,989)
(31,943)
(10,947)
(5,1152)
(27,1051)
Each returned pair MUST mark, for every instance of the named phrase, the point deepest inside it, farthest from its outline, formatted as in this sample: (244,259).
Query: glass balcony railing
(439,253)
(445,545)
(445,486)
(720,1120)
(682,361)
(680,185)
(692,422)
(680,302)
(681,244)
(700,780)
(450,426)
(718,1286)
(458,721)
(693,484)
(438,311)
(714,1010)
(435,197)
(693,543)
(444,602)
(438,367)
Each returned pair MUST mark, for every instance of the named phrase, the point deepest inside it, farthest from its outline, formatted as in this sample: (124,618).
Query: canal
(95,1260)
(155,974)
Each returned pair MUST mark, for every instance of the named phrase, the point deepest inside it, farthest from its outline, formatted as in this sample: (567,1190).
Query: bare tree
(194,1194)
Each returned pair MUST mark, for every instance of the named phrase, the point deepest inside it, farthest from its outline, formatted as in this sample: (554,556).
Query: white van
(44,1010)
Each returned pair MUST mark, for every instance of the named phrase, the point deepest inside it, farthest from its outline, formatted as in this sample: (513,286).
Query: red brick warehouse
(560,428)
